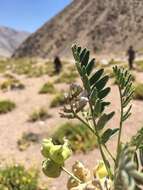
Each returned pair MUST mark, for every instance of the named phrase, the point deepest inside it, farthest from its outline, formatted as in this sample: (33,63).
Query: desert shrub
(9,76)
(139,65)
(81,139)
(6,106)
(115,62)
(39,115)
(26,140)
(58,100)
(16,177)
(47,88)
(138,94)
(12,84)
(21,66)
(36,71)
(49,68)
(3,66)
(67,77)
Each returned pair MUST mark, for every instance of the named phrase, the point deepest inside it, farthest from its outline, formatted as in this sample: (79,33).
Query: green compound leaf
(108,134)
(96,76)
(94,95)
(103,93)
(124,81)
(100,84)
(104,119)
(90,66)
(98,108)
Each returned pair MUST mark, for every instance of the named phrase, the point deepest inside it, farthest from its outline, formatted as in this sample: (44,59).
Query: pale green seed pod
(51,169)
(47,144)
(60,153)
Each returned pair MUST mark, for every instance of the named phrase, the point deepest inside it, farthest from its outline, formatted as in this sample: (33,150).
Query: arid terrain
(31,94)
(15,123)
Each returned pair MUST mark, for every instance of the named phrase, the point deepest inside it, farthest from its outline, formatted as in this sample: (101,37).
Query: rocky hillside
(10,39)
(101,25)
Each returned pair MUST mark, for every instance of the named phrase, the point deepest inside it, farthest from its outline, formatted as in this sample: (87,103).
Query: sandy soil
(14,124)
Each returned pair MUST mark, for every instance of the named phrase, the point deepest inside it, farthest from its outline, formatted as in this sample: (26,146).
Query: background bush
(6,106)
(80,137)
(47,88)
(138,91)
(67,77)
(39,115)
(58,100)
(17,178)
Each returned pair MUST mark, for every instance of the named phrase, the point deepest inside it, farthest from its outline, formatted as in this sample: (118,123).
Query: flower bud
(100,171)
(47,144)
(51,169)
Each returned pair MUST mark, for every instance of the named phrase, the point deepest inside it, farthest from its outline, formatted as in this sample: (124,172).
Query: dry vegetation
(39,102)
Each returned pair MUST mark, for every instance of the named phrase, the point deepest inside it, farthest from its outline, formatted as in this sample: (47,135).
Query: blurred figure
(131,56)
(57,65)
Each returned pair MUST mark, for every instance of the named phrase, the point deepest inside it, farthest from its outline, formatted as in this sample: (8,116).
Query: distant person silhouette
(57,65)
(131,56)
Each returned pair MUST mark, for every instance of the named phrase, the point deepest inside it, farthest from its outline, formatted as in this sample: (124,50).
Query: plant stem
(109,153)
(71,174)
(84,122)
(92,130)
(120,127)
(99,144)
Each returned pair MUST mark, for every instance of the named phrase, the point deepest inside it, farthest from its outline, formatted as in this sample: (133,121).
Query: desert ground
(15,123)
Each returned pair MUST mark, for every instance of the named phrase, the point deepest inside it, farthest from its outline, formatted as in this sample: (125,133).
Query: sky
(29,15)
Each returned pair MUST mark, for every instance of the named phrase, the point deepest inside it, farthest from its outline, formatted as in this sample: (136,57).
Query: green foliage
(124,82)
(3,66)
(29,67)
(58,100)
(115,62)
(39,115)
(87,103)
(18,178)
(138,91)
(6,106)
(139,65)
(11,84)
(67,77)
(81,139)
(47,88)
(137,139)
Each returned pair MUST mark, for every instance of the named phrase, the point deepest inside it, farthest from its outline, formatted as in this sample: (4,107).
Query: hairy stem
(120,128)
(71,174)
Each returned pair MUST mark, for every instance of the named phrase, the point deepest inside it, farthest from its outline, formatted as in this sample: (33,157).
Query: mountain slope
(10,39)
(101,25)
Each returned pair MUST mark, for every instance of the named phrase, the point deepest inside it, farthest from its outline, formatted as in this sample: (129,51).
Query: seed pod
(47,144)
(51,169)
(72,183)
(60,153)
(81,172)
